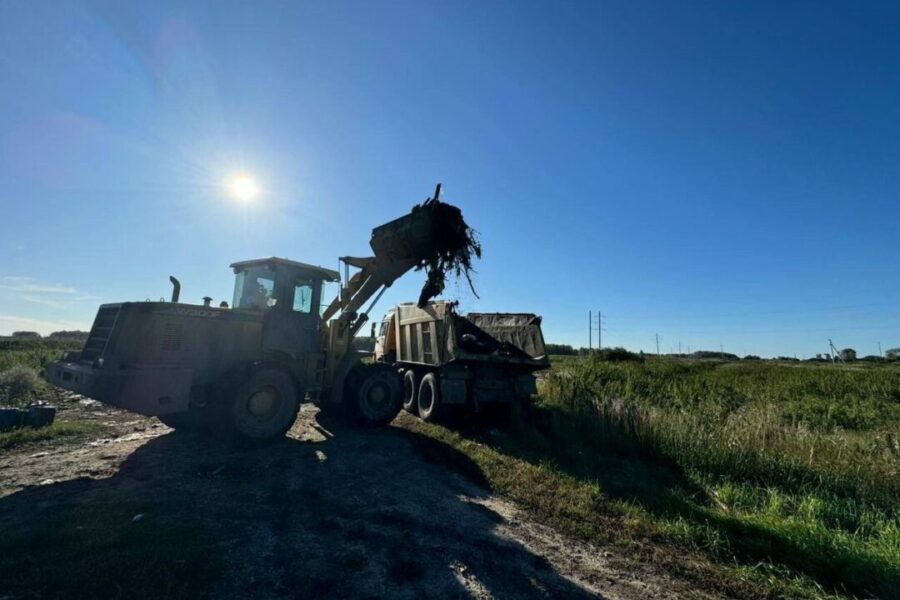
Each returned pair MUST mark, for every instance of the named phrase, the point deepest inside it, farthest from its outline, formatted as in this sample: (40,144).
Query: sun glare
(243,188)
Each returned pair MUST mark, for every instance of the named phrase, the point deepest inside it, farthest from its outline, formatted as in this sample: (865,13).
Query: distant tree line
(59,336)
(846,355)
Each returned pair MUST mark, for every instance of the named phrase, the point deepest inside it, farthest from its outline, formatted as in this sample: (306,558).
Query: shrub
(18,384)
(714,355)
(848,355)
(560,349)
(30,335)
(619,355)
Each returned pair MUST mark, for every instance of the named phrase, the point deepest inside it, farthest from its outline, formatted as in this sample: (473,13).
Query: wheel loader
(244,369)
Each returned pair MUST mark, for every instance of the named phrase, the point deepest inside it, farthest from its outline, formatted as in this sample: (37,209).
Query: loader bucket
(436,236)
(418,234)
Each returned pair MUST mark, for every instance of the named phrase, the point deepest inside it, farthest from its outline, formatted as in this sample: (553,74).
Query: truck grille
(100,332)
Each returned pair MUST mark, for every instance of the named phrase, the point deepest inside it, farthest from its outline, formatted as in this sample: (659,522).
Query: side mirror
(373,331)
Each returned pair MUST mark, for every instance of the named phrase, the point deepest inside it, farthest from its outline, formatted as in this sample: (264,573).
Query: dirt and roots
(136,509)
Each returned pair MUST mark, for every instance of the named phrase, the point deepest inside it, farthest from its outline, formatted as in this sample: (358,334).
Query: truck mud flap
(453,391)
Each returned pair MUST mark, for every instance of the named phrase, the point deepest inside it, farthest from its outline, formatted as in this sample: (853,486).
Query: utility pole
(599,330)
(679,346)
(880,353)
(657,344)
(590,329)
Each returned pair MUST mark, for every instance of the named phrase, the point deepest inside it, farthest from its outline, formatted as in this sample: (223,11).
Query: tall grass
(36,354)
(793,466)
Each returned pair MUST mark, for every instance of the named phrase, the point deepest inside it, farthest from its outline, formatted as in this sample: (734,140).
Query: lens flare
(243,188)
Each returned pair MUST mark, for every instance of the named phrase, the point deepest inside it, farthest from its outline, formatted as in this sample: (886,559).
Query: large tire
(264,407)
(374,394)
(429,398)
(410,392)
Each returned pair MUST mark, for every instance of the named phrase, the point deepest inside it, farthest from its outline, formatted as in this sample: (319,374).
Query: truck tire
(410,392)
(375,394)
(429,398)
(264,406)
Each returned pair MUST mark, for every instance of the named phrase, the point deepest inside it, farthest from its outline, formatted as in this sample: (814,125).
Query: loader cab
(288,297)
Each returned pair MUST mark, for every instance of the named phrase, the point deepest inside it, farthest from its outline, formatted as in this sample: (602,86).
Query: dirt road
(330,511)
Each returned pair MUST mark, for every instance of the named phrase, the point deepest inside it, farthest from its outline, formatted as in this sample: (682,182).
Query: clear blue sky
(717,172)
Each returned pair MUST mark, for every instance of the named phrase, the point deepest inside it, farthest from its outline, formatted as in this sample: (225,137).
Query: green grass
(59,429)
(36,354)
(784,478)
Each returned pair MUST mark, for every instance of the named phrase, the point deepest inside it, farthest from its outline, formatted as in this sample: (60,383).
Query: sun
(243,187)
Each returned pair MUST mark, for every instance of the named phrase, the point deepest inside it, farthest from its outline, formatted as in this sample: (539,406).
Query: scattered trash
(321,456)
(137,517)
(41,414)
(39,454)
(35,415)
(11,418)
(47,482)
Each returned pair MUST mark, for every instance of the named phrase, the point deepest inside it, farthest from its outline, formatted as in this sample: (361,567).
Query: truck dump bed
(436,335)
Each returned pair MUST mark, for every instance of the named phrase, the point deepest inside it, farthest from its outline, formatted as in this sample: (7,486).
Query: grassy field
(784,477)
(36,354)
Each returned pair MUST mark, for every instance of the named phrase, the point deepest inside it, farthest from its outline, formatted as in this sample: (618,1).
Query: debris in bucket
(455,247)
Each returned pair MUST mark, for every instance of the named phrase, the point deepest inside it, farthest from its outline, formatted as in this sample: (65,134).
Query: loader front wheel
(429,400)
(265,406)
(410,391)
(375,395)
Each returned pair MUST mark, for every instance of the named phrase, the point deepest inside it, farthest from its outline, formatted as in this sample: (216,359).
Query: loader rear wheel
(264,406)
(410,392)
(429,400)
(375,395)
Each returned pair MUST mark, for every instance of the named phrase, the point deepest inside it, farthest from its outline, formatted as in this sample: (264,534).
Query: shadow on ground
(355,514)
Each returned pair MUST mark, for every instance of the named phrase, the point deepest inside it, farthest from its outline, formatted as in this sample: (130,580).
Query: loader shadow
(356,515)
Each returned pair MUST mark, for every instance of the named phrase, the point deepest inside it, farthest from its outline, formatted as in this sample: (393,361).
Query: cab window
(254,288)
(303,294)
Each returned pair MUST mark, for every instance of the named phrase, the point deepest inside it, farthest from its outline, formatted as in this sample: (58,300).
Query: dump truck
(244,369)
(453,363)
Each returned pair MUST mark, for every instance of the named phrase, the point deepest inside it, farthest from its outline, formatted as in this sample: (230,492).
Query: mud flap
(453,391)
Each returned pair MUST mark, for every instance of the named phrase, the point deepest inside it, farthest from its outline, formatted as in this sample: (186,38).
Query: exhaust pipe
(176,288)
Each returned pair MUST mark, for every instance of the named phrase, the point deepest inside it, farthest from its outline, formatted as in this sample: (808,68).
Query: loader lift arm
(399,246)
(412,241)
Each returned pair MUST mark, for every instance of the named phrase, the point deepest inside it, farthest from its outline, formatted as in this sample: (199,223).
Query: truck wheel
(429,400)
(410,391)
(265,406)
(375,395)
